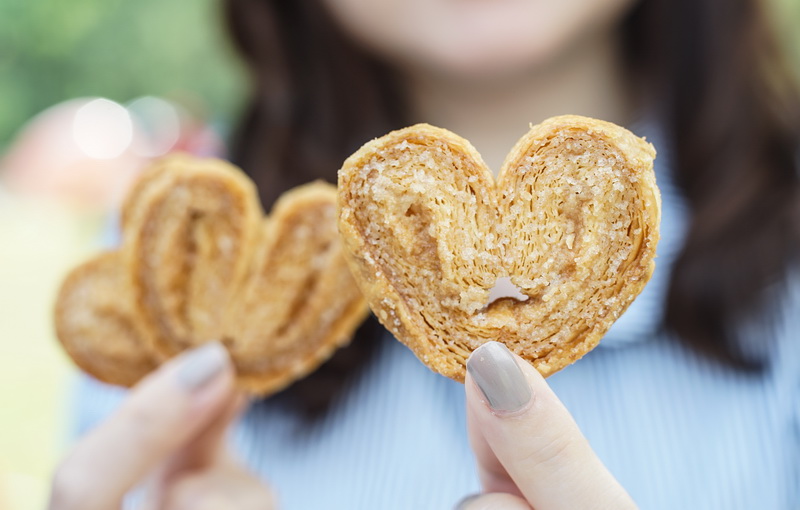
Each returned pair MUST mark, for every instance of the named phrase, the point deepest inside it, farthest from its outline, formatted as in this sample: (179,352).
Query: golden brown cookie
(572,220)
(200,263)
(98,325)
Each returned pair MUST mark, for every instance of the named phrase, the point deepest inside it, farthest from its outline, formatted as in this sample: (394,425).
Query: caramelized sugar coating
(572,220)
(202,263)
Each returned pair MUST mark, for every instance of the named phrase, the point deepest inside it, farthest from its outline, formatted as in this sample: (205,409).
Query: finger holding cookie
(169,433)
(527,444)
(570,223)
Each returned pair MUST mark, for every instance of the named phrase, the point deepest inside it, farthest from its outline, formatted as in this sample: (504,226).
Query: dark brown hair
(728,107)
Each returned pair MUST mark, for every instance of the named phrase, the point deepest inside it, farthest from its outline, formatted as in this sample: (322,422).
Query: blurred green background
(53,50)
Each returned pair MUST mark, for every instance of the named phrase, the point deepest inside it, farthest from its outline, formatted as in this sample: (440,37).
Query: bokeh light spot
(161,124)
(102,129)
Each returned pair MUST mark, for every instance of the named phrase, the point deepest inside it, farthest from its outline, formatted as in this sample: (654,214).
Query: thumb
(163,413)
(525,439)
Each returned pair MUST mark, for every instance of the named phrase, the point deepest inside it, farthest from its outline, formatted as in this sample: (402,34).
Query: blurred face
(473,38)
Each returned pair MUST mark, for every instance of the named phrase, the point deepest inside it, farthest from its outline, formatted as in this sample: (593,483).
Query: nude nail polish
(201,365)
(494,369)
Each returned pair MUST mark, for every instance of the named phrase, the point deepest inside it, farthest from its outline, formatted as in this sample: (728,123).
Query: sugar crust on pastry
(200,263)
(572,220)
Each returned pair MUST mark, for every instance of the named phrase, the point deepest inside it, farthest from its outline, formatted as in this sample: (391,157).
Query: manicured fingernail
(464,503)
(495,371)
(202,365)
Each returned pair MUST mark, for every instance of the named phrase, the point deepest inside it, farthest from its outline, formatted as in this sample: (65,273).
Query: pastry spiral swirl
(200,262)
(572,221)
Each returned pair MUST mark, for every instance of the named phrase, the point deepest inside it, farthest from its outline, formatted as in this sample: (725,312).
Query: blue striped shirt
(677,430)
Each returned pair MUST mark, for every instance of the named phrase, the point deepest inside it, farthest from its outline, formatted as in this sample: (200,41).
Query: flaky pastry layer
(200,262)
(572,220)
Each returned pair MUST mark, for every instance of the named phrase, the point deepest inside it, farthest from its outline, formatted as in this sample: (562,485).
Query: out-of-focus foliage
(53,50)
(786,16)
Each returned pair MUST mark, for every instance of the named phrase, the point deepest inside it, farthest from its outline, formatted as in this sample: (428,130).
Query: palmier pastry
(572,221)
(199,262)
(98,325)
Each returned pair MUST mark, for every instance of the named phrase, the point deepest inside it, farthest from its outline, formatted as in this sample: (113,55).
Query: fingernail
(202,365)
(464,503)
(495,371)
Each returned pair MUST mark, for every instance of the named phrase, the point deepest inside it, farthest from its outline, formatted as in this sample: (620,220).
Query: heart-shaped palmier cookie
(572,221)
(199,262)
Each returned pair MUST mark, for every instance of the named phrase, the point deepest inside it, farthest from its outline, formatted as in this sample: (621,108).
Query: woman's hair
(728,107)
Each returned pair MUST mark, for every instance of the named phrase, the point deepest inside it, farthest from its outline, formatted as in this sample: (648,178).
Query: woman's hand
(169,433)
(530,451)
